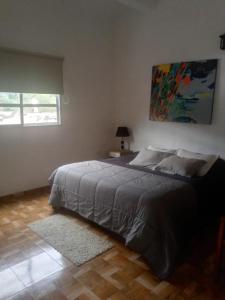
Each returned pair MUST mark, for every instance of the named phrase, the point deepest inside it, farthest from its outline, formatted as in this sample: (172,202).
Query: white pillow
(208,158)
(148,157)
(179,165)
(157,148)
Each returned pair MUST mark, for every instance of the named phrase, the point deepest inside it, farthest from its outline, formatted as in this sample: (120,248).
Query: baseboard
(44,189)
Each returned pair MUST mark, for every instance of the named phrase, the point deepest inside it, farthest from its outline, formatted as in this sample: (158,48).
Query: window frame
(21,106)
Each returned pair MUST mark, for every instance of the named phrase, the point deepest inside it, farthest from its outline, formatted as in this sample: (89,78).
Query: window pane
(39,99)
(9,98)
(40,115)
(9,115)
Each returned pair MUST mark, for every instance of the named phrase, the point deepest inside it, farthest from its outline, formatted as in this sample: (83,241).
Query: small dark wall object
(122,132)
(222,42)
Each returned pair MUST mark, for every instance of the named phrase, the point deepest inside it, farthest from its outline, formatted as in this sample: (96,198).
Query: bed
(156,214)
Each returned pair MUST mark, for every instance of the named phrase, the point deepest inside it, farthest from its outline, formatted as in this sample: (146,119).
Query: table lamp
(122,132)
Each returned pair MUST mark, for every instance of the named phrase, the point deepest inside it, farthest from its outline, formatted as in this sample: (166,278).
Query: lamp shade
(122,132)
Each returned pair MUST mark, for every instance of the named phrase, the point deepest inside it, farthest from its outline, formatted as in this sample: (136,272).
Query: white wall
(175,30)
(29,155)
(101,69)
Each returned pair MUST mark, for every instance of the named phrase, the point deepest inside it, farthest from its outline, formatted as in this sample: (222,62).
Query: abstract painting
(183,92)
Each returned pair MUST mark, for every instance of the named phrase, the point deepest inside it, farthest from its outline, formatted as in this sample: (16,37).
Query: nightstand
(119,153)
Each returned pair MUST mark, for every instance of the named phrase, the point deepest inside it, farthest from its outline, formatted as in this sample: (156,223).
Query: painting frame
(183,92)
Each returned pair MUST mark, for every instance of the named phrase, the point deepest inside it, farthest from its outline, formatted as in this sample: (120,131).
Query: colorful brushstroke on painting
(183,92)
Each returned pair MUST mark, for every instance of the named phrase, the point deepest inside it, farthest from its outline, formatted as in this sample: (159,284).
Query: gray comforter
(152,213)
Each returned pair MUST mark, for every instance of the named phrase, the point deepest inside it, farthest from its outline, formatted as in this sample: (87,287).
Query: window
(29,109)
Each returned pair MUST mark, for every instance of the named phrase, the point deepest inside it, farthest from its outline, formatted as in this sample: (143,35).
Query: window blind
(30,73)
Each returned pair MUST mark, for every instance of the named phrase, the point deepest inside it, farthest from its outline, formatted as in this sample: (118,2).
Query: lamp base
(122,145)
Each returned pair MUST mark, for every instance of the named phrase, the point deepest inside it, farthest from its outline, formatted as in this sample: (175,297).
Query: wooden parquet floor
(31,269)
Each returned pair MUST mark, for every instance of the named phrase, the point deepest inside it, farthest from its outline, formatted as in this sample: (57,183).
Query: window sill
(29,125)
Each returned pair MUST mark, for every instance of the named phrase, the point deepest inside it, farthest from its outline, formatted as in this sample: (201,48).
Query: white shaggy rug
(73,241)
